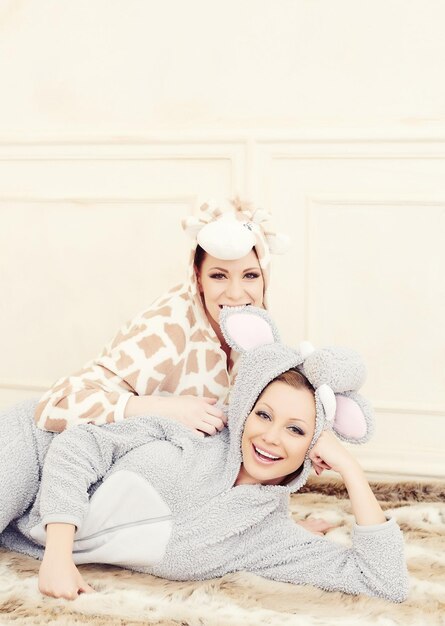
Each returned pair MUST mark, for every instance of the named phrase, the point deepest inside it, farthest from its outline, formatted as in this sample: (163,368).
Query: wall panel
(86,227)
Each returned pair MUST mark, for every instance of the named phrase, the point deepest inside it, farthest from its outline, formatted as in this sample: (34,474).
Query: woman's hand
(198,414)
(329,453)
(60,578)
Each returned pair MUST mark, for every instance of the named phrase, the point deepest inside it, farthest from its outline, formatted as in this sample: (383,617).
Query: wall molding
(396,130)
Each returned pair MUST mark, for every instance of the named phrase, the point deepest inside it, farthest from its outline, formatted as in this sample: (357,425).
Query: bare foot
(315,525)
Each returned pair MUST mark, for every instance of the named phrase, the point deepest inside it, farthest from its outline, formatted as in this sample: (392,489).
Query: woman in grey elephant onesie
(151,495)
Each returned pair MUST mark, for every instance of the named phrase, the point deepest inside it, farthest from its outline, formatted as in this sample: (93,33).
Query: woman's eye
(263,415)
(251,275)
(218,276)
(296,430)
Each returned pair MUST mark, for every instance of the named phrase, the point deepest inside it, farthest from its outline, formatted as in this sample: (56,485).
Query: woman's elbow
(46,421)
(395,591)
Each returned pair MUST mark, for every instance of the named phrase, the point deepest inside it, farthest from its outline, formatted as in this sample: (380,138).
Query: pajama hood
(230,231)
(335,374)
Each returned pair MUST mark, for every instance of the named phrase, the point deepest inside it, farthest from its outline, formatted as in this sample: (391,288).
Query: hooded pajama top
(150,495)
(169,349)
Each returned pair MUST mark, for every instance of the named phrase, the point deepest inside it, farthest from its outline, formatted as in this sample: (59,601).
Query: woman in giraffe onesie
(172,359)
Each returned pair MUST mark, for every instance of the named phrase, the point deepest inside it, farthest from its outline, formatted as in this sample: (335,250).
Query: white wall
(116,116)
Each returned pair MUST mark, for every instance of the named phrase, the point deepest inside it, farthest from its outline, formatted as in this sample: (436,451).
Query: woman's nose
(234,290)
(272,436)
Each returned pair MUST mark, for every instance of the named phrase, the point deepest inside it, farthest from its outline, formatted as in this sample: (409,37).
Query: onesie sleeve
(79,457)
(374,565)
(134,363)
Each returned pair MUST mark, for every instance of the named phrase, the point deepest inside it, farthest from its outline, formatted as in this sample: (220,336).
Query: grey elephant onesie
(151,495)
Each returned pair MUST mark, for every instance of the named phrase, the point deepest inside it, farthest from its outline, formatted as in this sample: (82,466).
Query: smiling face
(277,434)
(229,283)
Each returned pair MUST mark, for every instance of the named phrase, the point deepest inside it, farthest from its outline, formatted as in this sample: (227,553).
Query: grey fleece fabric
(217,528)
(214,527)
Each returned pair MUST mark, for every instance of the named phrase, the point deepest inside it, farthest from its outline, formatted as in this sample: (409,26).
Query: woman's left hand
(329,453)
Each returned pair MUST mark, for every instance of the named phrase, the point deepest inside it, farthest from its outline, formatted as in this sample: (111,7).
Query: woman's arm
(329,453)
(120,383)
(58,575)
(198,414)
(375,564)
(79,457)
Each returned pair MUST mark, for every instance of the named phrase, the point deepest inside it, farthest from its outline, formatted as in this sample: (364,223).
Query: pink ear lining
(349,420)
(249,331)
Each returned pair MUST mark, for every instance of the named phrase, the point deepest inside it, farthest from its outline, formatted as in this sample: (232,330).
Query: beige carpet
(127,598)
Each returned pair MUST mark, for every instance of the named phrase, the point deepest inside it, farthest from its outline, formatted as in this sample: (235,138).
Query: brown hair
(293,378)
(200,255)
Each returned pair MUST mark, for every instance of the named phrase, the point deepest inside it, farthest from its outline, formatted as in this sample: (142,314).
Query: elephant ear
(353,420)
(340,368)
(247,327)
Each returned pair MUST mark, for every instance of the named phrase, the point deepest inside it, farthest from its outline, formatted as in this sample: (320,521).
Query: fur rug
(128,599)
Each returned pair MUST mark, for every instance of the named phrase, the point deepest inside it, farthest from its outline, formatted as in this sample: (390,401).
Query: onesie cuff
(375,528)
(60,518)
(119,411)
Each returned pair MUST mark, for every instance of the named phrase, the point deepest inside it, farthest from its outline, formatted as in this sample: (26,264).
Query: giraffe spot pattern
(190,391)
(62,403)
(151,385)
(192,363)
(197,336)
(211,359)
(150,345)
(124,361)
(190,317)
(133,332)
(132,380)
(165,367)
(171,381)
(177,335)
(221,378)
(92,412)
(55,425)
(165,311)
(208,393)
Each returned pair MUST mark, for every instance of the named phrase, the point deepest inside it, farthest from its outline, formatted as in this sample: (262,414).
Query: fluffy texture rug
(127,598)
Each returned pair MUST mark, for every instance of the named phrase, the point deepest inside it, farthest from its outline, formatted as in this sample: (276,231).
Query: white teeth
(263,453)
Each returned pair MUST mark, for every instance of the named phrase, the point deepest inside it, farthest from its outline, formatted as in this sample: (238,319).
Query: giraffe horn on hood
(211,211)
(243,206)
(261,215)
(192,225)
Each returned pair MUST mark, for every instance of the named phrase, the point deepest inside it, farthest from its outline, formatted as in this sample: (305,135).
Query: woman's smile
(262,456)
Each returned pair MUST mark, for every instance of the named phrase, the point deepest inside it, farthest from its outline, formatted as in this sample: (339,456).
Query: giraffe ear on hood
(245,328)
(278,243)
(192,225)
